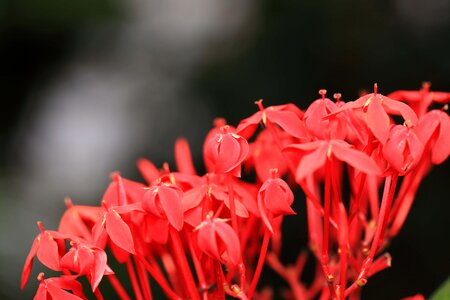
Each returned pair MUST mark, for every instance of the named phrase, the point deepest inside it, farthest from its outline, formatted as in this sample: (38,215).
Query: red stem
(133,279)
(326,226)
(159,279)
(180,257)
(98,294)
(143,278)
(219,280)
(260,264)
(232,204)
(198,269)
(117,286)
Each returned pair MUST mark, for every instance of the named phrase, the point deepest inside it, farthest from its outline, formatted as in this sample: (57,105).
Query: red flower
(215,237)
(57,288)
(376,108)
(403,149)
(317,123)
(434,128)
(274,199)
(264,156)
(49,246)
(226,151)
(421,100)
(165,201)
(287,116)
(113,226)
(319,151)
(87,260)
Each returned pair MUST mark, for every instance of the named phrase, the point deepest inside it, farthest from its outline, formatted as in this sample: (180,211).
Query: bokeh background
(88,86)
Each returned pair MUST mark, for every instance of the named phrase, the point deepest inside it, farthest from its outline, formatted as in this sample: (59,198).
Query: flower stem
(159,279)
(143,278)
(120,290)
(134,281)
(98,294)
(259,265)
(326,228)
(232,204)
(180,257)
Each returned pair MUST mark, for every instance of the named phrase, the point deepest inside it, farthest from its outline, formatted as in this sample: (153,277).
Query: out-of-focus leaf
(443,292)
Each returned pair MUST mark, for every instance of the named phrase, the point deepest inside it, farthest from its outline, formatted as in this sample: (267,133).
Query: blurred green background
(89,86)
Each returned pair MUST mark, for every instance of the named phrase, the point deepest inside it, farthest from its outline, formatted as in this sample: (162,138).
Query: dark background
(89,86)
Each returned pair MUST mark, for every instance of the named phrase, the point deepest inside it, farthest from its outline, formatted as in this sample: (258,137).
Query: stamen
(323,92)
(337,96)
(259,104)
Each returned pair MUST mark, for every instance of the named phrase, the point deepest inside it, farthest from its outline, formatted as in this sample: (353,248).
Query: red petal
(99,268)
(229,151)
(441,149)
(29,263)
(355,158)
(86,259)
(278,197)
(148,170)
(68,261)
(247,127)
(170,199)
(401,108)
(129,208)
(183,157)
(99,234)
(158,229)
(378,120)
(231,241)
(428,123)
(194,197)
(287,120)
(311,162)
(206,240)
(409,96)
(241,211)
(41,293)
(394,149)
(60,294)
(119,232)
(48,253)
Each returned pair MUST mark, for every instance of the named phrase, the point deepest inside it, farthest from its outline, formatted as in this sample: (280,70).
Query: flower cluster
(208,236)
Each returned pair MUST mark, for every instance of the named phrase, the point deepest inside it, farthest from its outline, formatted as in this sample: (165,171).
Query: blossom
(226,151)
(87,260)
(165,201)
(48,246)
(376,108)
(274,199)
(403,149)
(287,116)
(319,151)
(57,288)
(434,129)
(216,237)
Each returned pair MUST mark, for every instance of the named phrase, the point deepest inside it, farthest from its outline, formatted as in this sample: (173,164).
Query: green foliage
(443,292)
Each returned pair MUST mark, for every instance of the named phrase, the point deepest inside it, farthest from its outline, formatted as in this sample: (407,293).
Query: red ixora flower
(226,151)
(57,288)
(403,149)
(287,116)
(48,246)
(165,201)
(274,199)
(87,260)
(320,151)
(434,129)
(216,237)
(376,108)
